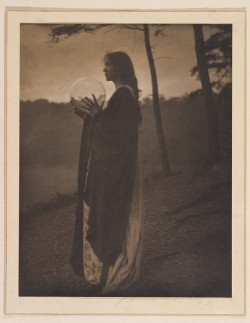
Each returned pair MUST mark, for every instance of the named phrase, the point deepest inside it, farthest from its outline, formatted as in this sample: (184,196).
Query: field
(187,242)
(50,139)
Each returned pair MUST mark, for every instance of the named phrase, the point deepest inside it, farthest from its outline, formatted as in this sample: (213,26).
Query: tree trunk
(213,126)
(156,106)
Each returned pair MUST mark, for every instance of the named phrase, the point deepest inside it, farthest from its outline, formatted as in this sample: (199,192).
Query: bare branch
(132,27)
(65,31)
(111,29)
(162,57)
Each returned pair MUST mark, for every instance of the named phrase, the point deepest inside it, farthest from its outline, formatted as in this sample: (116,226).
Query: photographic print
(125,160)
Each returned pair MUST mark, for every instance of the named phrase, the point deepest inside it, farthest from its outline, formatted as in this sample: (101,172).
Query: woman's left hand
(93,107)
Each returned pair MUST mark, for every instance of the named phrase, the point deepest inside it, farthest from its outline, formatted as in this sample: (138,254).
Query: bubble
(85,87)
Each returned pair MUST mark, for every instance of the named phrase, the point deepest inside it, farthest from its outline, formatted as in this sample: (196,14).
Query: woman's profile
(107,245)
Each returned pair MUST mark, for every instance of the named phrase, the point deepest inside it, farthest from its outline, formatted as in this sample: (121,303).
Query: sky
(47,70)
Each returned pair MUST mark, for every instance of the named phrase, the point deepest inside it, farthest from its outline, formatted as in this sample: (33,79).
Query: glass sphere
(87,87)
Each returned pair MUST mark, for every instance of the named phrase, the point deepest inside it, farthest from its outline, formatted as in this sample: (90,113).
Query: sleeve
(116,124)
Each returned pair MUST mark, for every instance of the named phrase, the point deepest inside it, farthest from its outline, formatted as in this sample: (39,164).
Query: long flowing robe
(108,157)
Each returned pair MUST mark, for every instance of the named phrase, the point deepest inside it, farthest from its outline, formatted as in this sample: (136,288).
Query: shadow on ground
(187,242)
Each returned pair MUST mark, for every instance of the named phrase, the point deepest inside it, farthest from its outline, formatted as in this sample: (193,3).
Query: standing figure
(107,246)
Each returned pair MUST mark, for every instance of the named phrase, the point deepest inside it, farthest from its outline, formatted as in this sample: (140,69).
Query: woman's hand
(78,108)
(92,107)
(86,105)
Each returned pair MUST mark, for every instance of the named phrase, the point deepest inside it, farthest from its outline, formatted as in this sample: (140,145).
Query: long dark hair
(125,70)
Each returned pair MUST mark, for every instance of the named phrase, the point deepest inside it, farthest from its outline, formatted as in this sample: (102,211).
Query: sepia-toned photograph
(128,173)
(125,160)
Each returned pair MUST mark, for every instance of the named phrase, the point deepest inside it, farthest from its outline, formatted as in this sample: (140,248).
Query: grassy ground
(187,241)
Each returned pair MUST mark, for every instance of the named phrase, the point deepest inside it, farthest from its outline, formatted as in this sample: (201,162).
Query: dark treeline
(50,132)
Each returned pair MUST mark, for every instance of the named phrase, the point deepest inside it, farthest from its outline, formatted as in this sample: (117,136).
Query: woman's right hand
(78,108)
(86,105)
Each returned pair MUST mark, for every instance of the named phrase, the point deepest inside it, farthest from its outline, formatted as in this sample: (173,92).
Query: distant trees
(68,30)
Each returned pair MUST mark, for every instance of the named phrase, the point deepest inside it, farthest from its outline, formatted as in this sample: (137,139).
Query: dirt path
(187,242)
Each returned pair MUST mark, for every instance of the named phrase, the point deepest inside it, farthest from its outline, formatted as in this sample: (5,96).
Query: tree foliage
(218,48)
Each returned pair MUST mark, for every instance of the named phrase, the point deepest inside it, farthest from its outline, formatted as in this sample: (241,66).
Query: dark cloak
(108,157)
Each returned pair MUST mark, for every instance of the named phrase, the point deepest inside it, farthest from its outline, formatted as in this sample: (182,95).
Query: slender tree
(156,104)
(213,125)
(68,30)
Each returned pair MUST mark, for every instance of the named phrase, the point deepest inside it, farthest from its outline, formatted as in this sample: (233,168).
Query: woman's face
(110,71)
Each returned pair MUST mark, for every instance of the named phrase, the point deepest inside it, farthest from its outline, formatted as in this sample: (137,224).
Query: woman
(107,246)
